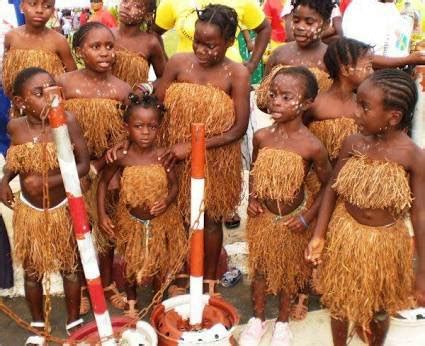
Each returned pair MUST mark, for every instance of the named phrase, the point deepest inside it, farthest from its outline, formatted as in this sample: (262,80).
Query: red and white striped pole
(78,213)
(197,224)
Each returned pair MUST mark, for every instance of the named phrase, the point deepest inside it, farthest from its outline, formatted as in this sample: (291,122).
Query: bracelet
(303,221)
(146,88)
(93,169)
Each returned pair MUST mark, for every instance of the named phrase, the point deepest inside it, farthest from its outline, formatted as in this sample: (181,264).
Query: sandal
(36,339)
(211,288)
(233,221)
(70,327)
(300,309)
(131,310)
(231,277)
(176,290)
(84,301)
(117,299)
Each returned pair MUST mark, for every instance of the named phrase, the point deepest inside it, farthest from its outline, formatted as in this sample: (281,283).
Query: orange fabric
(105,17)
(272,9)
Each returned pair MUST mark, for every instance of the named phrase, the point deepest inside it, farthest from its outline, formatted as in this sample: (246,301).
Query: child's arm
(316,245)
(323,169)
(416,58)
(169,76)
(254,205)
(157,58)
(6,194)
(248,40)
(159,207)
(65,55)
(105,222)
(417,182)
(81,152)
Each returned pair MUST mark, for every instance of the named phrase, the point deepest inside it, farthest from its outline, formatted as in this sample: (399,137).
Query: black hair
(23,76)
(223,16)
(81,34)
(344,51)
(400,93)
(311,86)
(322,7)
(145,101)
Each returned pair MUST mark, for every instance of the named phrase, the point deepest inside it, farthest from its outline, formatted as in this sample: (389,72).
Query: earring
(21,111)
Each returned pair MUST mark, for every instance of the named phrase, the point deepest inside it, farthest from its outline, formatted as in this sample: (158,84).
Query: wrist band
(303,221)
(93,169)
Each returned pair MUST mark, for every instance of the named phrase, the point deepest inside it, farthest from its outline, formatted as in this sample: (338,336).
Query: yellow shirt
(182,16)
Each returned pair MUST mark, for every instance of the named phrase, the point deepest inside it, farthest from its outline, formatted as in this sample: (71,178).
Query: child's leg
(258,295)
(213,242)
(379,328)
(34,296)
(131,307)
(72,290)
(284,305)
(106,261)
(131,290)
(339,332)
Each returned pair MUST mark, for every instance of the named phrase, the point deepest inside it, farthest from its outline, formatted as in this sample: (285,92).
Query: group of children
(332,180)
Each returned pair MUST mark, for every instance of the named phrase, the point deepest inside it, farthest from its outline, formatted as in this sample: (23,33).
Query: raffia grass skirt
(151,247)
(278,253)
(223,182)
(365,269)
(42,249)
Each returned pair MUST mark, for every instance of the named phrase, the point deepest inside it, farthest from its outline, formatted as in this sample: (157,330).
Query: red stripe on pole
(420,71)
(57,116)
(97,297)
(78,212)
(197,254)
(198,150)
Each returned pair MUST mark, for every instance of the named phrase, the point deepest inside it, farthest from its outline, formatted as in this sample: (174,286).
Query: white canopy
(82,3)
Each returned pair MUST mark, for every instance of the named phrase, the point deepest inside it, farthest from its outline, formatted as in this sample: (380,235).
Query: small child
(205,86)
(96,98)
(137,49)
(367,271)
(332,116)
(34,45)
(149,230)
(42,244)
(280,209)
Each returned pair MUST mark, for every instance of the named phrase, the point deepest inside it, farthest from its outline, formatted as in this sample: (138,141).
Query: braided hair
(145,101)
(223,16)
(81,34)
(344,51)
(25,75)
(400,93)
(323,7)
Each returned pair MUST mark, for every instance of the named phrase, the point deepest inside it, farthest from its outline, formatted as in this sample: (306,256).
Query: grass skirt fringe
(166,242)
(189,103)
(278,253)
(101,122)
(41,250)
(333,132)
(263,90)
(16,60)
(28,157)
(130,67)
(365,269)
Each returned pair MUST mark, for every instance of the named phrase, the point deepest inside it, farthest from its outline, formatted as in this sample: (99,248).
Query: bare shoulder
(56,37)
(122,88)
(238,70)
(281,53)
(261,135)
(15,127)
(68,78)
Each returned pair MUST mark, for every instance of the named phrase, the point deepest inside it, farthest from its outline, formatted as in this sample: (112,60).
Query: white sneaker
(253,332)
(282,335)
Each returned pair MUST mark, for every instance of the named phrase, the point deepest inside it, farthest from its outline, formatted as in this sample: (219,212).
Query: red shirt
(343,5)
(105,17)
(273,9)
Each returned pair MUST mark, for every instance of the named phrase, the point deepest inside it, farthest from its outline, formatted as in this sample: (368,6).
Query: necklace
(35,139)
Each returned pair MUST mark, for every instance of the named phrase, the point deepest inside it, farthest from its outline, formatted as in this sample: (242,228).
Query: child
(135,49)
(95,96)
(207,87)
(43,243)
(332,116)
(367,266)
(33,44)
(280,208)
(149,229)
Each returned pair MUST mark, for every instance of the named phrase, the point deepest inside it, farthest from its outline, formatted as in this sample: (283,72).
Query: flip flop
(231,277)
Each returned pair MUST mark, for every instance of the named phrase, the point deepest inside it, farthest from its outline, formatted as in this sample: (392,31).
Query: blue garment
(4,119)
(19,15)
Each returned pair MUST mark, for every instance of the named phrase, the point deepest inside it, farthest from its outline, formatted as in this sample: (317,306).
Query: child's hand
(181,150)
(168,159)
(111,154)
(296,223)
(6,195)
(159,207)
(107,226)
(314,250)
(254,207)
(34,185)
